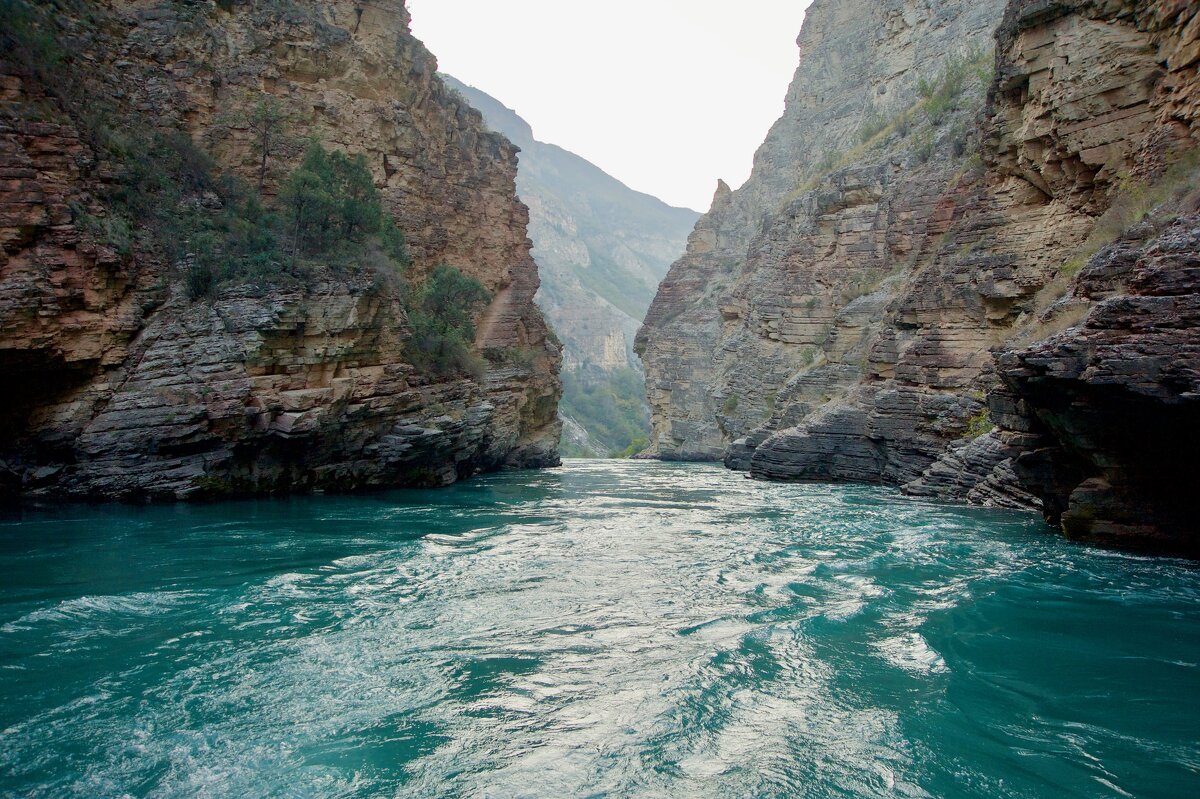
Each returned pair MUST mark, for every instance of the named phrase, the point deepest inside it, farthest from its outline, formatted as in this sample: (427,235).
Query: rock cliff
(602,249)
(124,386)
(772,312)
(919,307)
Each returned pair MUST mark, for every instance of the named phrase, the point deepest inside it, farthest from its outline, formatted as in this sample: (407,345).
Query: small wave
(912,653)
(83,608)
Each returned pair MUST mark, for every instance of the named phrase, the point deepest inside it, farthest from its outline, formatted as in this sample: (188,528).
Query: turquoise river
(608,629)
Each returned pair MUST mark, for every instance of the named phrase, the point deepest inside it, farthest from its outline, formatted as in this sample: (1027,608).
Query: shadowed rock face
(129,389)
(870,325)
(1116,399)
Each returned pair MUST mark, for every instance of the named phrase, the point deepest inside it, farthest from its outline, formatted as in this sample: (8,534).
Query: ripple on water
(607,629)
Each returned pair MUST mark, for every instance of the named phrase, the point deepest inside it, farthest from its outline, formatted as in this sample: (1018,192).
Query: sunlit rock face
(878,321)
(127,388)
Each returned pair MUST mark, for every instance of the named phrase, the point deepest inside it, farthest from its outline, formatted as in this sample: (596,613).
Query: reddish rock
(122,387)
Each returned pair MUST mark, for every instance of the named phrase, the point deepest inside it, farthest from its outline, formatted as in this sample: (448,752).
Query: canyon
(965,264)
(602,249)
(262,252)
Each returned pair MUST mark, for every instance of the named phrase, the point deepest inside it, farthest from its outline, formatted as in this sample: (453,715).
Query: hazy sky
(665,95)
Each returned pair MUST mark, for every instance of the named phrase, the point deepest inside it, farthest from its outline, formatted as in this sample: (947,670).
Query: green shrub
(27,38)
(167,196)
(519,357)
(978,425)
(923,146)
(958,136)
(943,95)
(1133,202)
(441,313)
(112,230)
(829,159)
(637,445)
(331,198)
(731,404)
(331,217)
(200,280)
(874,125)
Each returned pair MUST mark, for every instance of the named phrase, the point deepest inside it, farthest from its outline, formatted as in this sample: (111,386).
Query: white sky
(665,95)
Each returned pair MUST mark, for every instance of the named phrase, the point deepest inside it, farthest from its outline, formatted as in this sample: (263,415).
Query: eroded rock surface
(125,388)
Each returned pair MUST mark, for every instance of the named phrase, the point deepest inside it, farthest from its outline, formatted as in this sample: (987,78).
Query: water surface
(610,629)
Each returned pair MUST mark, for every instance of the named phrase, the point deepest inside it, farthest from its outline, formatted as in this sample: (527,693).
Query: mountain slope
(602,249)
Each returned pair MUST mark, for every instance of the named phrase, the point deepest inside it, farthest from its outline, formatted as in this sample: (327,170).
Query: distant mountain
(602,249)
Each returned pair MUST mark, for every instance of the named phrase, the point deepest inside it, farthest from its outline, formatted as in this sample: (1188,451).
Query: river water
(609,629)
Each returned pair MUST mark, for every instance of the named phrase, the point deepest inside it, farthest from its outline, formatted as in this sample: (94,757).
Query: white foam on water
(80,610)
(912,653)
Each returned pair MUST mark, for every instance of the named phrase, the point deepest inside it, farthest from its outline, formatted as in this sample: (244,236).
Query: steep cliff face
(130,388)
(770,314)
(1115,399)
(976,253)
(1095,106)
(602,249)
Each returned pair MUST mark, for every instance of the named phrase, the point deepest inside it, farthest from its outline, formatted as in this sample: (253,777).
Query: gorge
(962,265)
(294,328)
(602,250)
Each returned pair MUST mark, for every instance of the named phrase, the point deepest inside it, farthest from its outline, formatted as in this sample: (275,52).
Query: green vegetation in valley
(610,406)
(637,445)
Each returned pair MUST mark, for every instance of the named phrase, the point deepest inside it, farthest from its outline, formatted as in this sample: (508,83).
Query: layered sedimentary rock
(1091,422)
(125,387)
(1117,396)
(602,249)
(774,310)
(877,322)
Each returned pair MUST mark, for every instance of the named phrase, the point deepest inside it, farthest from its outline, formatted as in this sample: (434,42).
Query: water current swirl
(609,629)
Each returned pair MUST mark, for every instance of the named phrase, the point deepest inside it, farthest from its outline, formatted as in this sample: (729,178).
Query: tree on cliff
(266,123)
(441,313)
(331,199)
